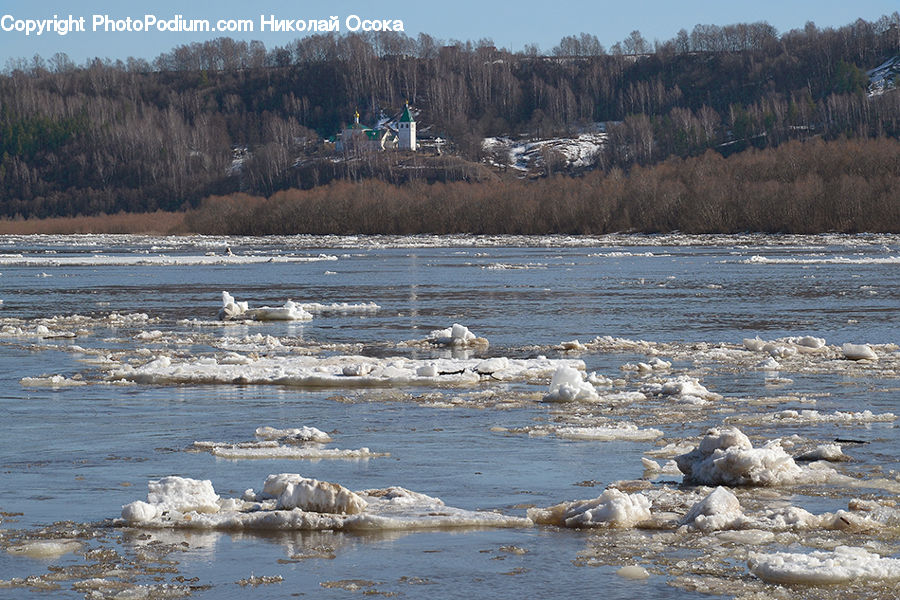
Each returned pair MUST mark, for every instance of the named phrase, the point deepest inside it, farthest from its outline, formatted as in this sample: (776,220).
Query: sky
(510,25)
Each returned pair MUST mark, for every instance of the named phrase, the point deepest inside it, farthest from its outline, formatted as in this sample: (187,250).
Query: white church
(384,136)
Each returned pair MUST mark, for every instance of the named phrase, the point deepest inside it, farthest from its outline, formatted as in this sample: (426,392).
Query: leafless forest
(727,128)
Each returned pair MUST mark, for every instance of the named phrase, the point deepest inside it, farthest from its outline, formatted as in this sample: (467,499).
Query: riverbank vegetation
(845,186)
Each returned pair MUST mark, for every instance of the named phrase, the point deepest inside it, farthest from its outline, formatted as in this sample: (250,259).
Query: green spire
(406,117)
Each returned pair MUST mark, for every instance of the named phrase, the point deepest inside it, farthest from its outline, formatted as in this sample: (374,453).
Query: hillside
(224,117)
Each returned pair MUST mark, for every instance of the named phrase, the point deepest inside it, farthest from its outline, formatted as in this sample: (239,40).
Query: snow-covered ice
(292,502)
(457,336)
(858,352)
(293,434)
(568,385)
(684,388)
(725,456)
(843,565)
(235,310)
(719,510)
(612,508)
(314,371)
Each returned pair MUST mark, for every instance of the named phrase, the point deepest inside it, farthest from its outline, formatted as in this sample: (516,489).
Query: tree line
(136,135)
(815,186)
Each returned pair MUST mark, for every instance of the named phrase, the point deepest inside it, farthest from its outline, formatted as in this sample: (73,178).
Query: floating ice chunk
(294,491)
(230,308)
(139,512)
(843,565)
(719,510)
(655,364)
(329,371)
(650,464)
(572,346)
(357,370)
(339,307)
(301,434)
(726,457)
(173,494)
(813,416)
(776,350)
(45,548)
(858,352)
(754,344)
(240,310)
(746,537)
(786,347)
(427,371)
(183,494)
(613,508)
(596,379)
(457,336)
(636,572)
(261,451)
(568,385)
(687,389)
(653,467)
(233,358)
(149,335)
(808,341)
(290,502)
(620,432)
(52,381)
(492,365)
(770,364)
(829,452)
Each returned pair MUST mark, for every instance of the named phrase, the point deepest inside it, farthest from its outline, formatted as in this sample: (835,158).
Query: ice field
(451,417)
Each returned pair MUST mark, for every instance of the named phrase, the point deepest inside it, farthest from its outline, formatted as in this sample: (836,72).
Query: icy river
(450,417)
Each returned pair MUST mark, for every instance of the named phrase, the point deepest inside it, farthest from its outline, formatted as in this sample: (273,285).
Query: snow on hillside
(527,156)
(884,77)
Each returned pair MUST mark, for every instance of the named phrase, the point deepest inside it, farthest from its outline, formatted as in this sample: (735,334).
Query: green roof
(406,117)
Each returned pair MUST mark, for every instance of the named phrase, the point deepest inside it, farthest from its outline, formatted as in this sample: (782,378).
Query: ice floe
(292,502)
(273,450)
(833,260)
(457,336)
(568,385)
(613,508)
(304,443)
(619,431)
(843,565)
(812,417)
(725,456)
(294,434)
(826,452)
(235,310)
(654,364)
(858,352)
(45,549)
(719,510)
(683,388)
(337,371)
(52,381)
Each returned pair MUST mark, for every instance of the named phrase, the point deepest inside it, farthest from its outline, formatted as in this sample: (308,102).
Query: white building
(406,131)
